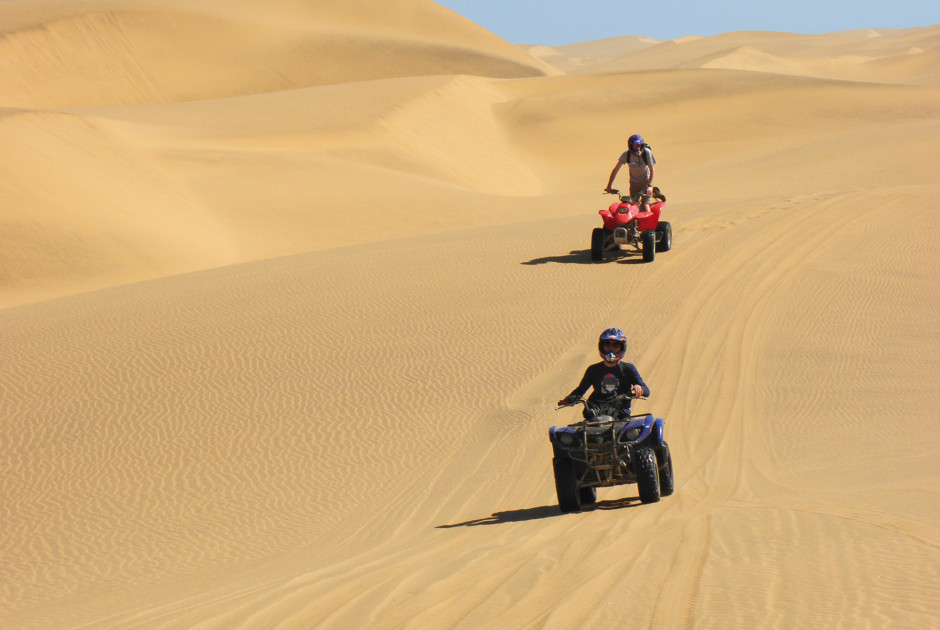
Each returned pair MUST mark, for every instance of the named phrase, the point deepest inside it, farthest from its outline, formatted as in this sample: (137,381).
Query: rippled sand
(288,295)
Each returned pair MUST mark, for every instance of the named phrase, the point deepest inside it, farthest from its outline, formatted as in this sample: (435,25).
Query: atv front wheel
(666,481)
(647,475)
(648,239)
(566,485)
(598,243)
(588,495)
(664,232)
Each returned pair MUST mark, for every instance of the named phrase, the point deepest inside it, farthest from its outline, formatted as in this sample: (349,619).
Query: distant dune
(881,55)
(584,55)
(288,291)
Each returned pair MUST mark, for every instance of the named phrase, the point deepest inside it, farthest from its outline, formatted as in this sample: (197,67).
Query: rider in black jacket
(611,376)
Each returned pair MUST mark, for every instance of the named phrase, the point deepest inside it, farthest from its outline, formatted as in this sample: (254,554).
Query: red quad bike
(626,224)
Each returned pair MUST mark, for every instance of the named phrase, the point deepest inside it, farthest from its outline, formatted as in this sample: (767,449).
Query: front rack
(606,459)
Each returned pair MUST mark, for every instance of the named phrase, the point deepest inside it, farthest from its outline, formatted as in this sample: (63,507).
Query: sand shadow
(583,257)
(576,257)
(544,511)
(628,258)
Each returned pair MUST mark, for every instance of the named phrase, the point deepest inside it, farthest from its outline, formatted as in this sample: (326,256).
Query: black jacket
(609,382)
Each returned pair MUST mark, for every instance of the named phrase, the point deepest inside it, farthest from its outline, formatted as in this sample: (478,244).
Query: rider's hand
(608,190)
(564,402)
(637,391)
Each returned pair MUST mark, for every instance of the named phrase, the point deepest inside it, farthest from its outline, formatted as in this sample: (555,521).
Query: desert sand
(287,296)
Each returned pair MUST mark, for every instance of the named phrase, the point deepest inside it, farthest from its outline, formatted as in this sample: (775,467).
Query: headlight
(566,439)
(632,434)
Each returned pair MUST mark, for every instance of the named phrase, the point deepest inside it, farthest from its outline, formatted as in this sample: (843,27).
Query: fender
(619,214)
(647,422)
(553,434)
(652,430)
(658,432)
(649,220)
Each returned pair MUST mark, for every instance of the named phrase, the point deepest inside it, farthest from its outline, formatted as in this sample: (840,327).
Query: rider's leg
(638,194)
(636,188)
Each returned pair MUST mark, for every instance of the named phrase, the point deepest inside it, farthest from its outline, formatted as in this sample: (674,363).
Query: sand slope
(106,52)
(313,385)
(139,99)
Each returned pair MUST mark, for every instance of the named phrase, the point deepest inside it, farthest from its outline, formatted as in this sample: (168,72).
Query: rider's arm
(620,162)
(582,387)
(613,174)
(636,378)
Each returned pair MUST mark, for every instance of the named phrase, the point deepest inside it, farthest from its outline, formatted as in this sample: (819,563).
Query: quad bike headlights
(632,434)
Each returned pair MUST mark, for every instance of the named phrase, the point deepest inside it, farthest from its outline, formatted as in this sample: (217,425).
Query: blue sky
(557,22)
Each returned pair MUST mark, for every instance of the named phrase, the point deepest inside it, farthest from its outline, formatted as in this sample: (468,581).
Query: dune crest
(120,53)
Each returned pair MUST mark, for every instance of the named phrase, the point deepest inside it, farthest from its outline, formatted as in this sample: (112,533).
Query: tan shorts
(638,187)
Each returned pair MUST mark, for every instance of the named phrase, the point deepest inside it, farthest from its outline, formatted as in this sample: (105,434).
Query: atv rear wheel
(566,485)
(598,243)
(647,475)
(588,495)
(664,233)
(666,481)
(648,239)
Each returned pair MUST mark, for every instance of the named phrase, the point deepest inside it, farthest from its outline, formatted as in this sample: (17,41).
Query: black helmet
(612,335)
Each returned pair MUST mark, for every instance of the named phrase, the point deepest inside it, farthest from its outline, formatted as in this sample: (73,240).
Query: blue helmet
(615,335)
(635,140)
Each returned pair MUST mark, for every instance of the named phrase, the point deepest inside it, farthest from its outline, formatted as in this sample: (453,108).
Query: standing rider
(611,376)
(639,159)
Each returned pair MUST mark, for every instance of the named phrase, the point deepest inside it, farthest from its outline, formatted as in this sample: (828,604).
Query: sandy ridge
(287,405)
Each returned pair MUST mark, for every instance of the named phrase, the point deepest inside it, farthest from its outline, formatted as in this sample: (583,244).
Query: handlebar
(588,404)
(656,193)
(623,198)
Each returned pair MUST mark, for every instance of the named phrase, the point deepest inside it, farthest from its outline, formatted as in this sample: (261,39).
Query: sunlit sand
(288,295)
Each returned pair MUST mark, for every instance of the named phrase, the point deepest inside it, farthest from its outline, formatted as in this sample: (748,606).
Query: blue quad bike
(610,448)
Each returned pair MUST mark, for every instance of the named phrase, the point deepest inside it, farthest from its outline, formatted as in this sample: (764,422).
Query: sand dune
(288,296)
(572,57)
(878,55)
(79,54)
(170,104)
